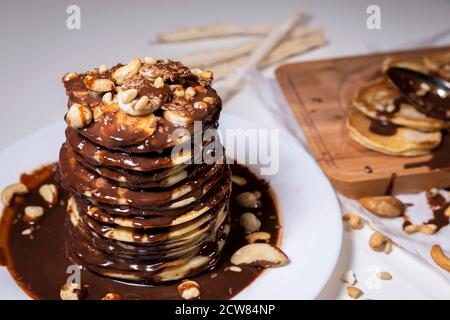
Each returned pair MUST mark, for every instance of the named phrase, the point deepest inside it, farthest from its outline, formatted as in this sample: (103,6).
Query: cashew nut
(127,71)
(353,220)
(423,228)
(379,242)
(189,290)
(15,189)
(49,193)
(78,116)
(438,256)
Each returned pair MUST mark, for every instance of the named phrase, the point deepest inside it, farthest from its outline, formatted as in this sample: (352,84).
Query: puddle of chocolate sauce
(38,262)
(439,158)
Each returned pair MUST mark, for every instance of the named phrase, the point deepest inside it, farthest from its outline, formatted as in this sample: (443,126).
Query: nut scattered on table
(384,206)
(422,228)
(354,221)
(189,290)
(354,292)
(15,189)
(438,256)
(259,255)
(349,277)
(33,213)
(49,192)
(379,242)
(249,222)
(257,236)
(384,275)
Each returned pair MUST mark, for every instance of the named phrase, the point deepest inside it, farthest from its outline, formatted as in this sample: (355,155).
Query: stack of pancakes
(144,207)
(387,123)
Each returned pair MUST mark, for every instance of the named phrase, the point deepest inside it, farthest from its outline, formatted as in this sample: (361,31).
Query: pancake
(399,142)
(390,62)
(90,184)
(99,156)
(380,100)
(439,64)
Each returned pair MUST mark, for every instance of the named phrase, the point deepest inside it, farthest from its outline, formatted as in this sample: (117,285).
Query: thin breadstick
(233,80)
(213,57)
(215,31)
(286,49)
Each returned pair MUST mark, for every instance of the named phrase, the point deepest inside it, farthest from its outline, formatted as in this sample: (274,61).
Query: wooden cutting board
(319,94)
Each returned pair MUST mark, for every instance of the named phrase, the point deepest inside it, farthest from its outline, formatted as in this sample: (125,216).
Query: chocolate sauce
(382,127)
(439,205)
(38,261)
(390,187)
(368,169)
(439,158)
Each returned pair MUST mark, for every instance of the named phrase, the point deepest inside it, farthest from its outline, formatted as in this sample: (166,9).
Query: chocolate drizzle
(382,127)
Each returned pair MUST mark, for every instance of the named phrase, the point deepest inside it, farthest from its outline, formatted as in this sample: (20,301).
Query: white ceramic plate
(312,228)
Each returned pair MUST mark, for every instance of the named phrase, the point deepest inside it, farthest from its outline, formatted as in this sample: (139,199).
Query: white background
(36,48)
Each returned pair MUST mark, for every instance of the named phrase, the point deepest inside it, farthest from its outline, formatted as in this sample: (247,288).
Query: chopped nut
(240,181)
(384,206)
(107,98)
(190,93)
(69,76)
(112,296)
(379,242)
(128,95)
(33,213)
(423,228)
(120,75)
(354,292)
(149,60)
(259,255)
(200,105)
(49,193)
(438,256)
(349,277)
(98,85)
(248,200)
(249,222)
(257,236)
(159,82)
(189,290)
(142,103)
(353,220)
(209,100)
(179,91)
(15,189)
(72,291)
(384,275)
(234,269)
(78,116)
(447,212)
(103,69)
(27,232)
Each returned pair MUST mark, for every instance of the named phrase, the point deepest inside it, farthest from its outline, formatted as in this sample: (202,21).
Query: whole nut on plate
(384,206)
(15,189)
(259,255)
(438,256)
(257,236)
(240,181)
(189,290)
(112,296)
(49,192)
(249,222)
(120,75)
(72,291)
(78,116)
(33,213)
(248,200)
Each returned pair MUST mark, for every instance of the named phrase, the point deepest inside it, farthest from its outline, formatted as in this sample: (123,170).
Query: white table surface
(37,48)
